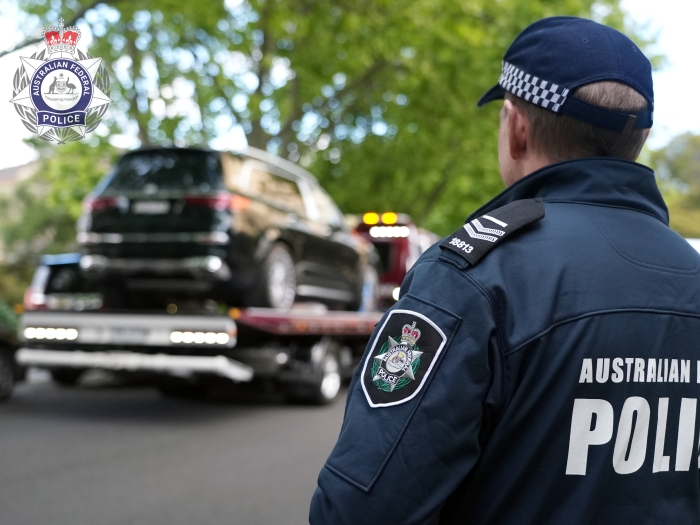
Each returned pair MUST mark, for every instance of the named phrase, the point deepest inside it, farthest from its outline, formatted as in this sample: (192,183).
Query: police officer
(542,363)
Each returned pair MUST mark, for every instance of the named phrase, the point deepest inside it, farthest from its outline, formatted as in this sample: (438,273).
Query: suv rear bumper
(210,267)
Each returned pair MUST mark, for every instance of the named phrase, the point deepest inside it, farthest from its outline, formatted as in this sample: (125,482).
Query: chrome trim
(118,238)
(308,290)
(207,265)
(131,361)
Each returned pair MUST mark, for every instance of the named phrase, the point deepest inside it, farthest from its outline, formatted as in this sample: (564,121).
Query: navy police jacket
(542,366)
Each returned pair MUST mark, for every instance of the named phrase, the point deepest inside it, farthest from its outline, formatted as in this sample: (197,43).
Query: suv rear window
(189,170)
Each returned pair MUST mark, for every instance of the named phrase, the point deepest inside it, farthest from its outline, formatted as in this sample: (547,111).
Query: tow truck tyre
(7,373)
(325,389)
(277,288)
(66,376)
(329,386)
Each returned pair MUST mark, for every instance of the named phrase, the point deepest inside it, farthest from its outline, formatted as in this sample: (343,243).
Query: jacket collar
(599,181)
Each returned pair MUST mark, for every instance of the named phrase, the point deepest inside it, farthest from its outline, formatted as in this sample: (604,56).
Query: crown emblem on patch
(60,39)
(410,334)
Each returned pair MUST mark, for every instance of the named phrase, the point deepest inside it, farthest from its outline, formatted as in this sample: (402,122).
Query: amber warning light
(390,218)
(370,218)
(373,218)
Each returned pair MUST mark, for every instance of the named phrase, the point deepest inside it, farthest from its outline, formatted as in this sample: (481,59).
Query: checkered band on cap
(531,88)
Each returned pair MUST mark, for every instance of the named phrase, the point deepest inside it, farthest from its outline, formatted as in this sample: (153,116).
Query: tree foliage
(376,97)
(39,216)
(677,168)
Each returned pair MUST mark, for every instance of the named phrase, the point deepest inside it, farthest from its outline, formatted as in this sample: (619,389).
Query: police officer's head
(573,88)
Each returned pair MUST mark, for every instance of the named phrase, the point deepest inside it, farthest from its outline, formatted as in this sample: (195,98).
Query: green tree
(376,97)
(677,167)
(39,217)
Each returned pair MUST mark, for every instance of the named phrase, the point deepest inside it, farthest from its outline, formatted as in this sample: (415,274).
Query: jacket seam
(347,478)
(611,311)
(600,205)
(494,314)
(639,264)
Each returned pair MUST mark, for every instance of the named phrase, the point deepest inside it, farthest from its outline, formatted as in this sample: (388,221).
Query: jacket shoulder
(478,237)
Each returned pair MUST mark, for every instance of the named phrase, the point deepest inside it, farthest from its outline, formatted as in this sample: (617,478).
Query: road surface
(103,455)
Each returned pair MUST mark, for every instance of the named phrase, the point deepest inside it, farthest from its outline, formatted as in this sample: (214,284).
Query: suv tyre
(277,287)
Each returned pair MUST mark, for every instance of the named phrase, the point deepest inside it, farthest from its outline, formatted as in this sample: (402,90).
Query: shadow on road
(102,397)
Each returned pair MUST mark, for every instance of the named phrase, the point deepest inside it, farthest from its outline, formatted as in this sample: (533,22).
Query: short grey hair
(560,137)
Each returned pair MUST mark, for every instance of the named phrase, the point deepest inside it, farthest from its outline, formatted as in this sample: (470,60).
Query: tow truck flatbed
(307,351)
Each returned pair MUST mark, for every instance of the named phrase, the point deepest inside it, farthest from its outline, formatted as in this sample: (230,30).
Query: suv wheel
(7,373)
(277,288)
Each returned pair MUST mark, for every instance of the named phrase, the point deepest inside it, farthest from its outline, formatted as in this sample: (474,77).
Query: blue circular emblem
(61,89)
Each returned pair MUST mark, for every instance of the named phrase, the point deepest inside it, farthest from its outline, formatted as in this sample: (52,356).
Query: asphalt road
(126,455)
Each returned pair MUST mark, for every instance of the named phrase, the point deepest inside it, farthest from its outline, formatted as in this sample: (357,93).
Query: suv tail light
(34,300)
(239,203)
(91,204)
(220,202)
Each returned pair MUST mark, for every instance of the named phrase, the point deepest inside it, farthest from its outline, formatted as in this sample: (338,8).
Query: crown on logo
(410,334)
(60,39)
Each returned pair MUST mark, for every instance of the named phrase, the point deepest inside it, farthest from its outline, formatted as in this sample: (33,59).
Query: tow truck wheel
(326,388)
(7,373)
(66,376)
(329,387)
(277,288)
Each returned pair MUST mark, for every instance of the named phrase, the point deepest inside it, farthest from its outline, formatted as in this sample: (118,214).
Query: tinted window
(66,279)
(277,191)
(193,171)
(330,214)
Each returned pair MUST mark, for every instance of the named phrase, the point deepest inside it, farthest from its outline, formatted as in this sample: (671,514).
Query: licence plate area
(127,335)
(150,207)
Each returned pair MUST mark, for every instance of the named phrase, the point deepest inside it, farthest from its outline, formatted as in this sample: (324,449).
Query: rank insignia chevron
(477,237)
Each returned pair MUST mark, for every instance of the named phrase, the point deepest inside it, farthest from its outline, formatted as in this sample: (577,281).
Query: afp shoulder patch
(479,236)
(401,357)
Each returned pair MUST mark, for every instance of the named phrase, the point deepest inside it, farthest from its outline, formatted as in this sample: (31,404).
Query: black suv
(248,229)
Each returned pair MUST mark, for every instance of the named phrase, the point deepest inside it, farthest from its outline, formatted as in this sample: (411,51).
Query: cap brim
(495,93)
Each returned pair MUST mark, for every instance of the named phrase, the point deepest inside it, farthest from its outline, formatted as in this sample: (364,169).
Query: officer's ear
(517,129)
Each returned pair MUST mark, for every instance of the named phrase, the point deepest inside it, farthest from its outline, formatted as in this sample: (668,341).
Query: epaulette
(479,236)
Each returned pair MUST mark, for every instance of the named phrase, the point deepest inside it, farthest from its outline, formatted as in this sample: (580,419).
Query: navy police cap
(554,56)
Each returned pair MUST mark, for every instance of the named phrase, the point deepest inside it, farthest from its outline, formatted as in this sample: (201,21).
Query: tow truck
(306,351)
(399,243)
